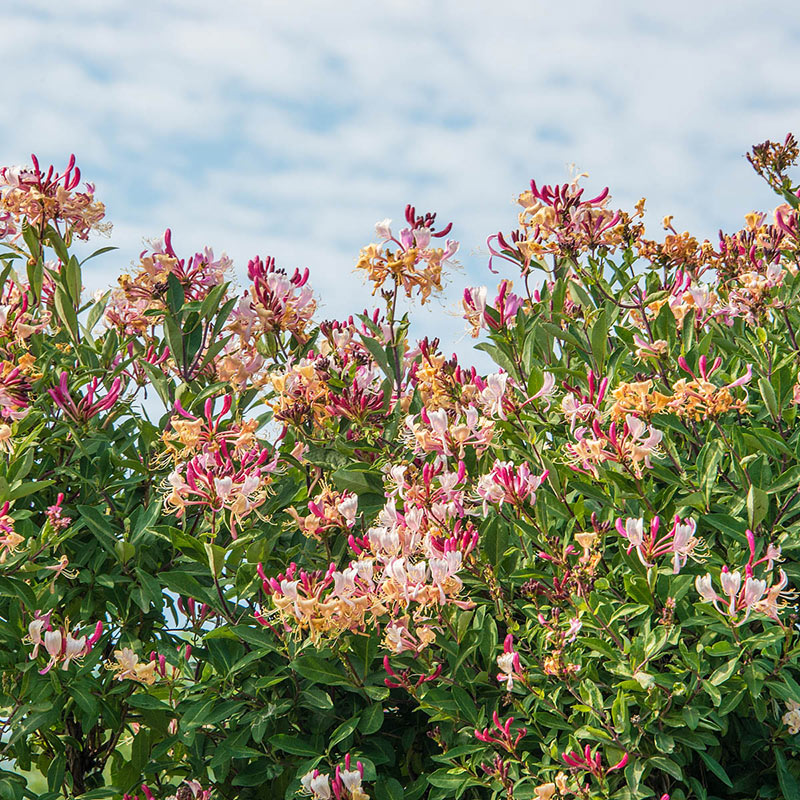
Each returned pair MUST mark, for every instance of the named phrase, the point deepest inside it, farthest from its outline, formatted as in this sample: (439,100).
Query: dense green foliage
(321,558)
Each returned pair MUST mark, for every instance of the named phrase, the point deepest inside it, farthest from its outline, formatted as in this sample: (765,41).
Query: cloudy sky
(289,128)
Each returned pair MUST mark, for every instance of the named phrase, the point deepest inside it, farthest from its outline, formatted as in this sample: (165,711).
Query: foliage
(248,554)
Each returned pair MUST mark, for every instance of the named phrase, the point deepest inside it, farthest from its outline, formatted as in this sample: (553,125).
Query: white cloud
(289,128)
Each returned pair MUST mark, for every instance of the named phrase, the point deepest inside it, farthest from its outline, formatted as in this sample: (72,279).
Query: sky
(289,128)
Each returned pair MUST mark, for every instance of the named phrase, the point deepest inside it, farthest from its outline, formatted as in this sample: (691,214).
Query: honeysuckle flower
(705,589)
(791,719)
(587,540)
(281,303)
(40,623)
(574,629)
(771,604)
(345,785)
(501,734)
(545,791)
(414,264)
(508,663)
(493,395)
(642,444)
(509,483)
(592,762)
(225,467)
(577,406)
(320,787)
(128,667)
(62,644)
(73,648)
(646,349)
(41,197)
(546,391)
(55,514)
(14,392)
(10,540)
(6,442)
(680,541)
(87,407)
(53,641)
(329,511)
(746,593)
(383,229)
(474,304)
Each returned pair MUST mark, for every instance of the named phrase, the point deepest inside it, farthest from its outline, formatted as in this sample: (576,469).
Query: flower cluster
(415,264)
(509,664)
(680,542)
(89,405)
(40,198)
(188,790)
(346,783)
(140,301)
(128,667)
(19,318)
(14,392)
(501,734)
(499,316)
(591,762)
(63,644)
(632,445)
(279,302)
(762,595)
(329,510)
(300,392)
(449,435)
(791,719)
(10,540)
(406,566)
(221,469)
(508,483)
(558,220)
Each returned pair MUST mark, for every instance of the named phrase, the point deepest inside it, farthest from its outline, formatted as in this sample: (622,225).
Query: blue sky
(289,128)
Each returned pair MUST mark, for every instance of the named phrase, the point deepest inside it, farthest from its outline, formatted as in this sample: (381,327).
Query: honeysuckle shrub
(247,553)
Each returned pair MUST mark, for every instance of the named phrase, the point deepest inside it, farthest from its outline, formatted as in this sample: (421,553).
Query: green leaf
(768,396)
(600,339)
(358,480)
(757,506)
(667,765)
(343,731)
(66,312)
(724,672)
(786,780)
(24,488)
(13,587)
(99,252)
(100,525)
(146,519)
(295,745)
(188,585)
(148,703)
(319,670)
(388,789)
(716,768)
(494,541)
(446,779)
(371,719)
(216,558)
(55,772)
(380,354)
(708,466)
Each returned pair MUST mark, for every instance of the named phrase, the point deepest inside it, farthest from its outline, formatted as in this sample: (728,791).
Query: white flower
(383,230)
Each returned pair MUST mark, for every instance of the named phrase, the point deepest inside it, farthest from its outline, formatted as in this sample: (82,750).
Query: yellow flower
(129,667)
